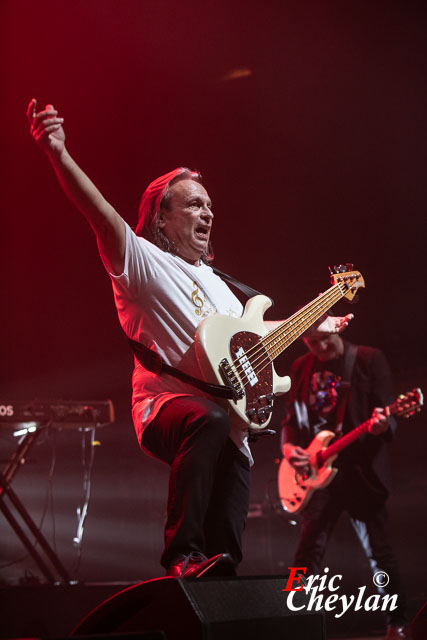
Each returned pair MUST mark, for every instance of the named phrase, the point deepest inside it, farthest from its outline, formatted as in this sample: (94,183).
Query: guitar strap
(345,386)
(244,288)
(154,362)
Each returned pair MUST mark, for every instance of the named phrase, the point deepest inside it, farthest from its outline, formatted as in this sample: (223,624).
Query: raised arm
(47,131)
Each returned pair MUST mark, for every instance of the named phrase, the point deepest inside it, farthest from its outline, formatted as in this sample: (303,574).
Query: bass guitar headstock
(407,404)
(349,281)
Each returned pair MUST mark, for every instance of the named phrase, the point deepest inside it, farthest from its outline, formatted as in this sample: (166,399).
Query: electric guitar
(295,489)
(239,352)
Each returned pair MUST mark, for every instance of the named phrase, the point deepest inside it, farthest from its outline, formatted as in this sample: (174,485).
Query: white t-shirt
(160,300)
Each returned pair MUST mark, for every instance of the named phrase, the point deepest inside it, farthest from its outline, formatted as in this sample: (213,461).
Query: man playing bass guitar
(164,288)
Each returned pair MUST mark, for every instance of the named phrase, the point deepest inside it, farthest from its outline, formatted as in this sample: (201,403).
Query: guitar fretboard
(277,340)
(343,442)
(405,405)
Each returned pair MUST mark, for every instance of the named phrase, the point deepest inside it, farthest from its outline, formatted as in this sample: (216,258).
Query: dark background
(307,121)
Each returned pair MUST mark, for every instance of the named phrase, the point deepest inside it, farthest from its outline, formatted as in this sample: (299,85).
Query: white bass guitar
(239,352)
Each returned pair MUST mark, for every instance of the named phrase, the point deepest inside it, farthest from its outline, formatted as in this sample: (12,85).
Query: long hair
(157,197)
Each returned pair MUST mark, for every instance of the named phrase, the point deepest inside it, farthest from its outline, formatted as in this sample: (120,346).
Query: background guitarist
(337,386)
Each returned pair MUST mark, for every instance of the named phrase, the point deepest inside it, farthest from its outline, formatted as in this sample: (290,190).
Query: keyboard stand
(16,461)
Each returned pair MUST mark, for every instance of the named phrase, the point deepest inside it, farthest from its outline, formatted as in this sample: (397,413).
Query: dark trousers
(317,523)
(209,479)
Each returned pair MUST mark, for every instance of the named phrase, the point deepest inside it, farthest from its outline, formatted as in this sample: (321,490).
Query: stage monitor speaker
(250,607)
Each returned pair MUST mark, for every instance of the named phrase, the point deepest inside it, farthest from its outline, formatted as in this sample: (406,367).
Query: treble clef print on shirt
(197,300)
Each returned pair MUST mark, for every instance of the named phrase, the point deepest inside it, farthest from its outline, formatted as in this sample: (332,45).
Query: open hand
(334,324)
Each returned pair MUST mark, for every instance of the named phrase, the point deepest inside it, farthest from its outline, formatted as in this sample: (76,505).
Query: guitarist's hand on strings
(297,457)
(379,422)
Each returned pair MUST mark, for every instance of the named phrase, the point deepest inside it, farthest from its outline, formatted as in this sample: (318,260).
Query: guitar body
(296,491)
(228,351)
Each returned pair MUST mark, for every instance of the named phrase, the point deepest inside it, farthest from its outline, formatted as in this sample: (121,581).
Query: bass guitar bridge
(230,379)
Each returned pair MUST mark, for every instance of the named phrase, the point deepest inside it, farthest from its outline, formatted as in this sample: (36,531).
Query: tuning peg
(331,273)
(349,266)
(339,268)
